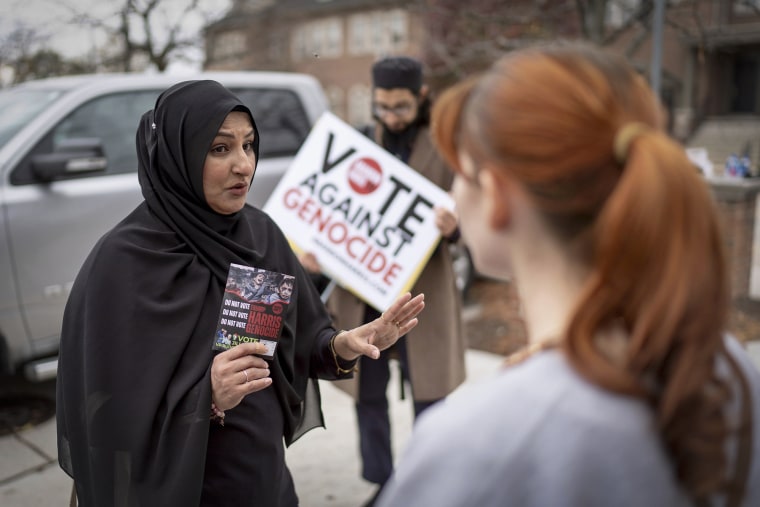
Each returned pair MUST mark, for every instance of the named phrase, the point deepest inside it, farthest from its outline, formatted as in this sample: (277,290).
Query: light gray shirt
(539,435)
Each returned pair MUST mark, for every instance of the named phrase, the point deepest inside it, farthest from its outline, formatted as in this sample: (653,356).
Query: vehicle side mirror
(71,156)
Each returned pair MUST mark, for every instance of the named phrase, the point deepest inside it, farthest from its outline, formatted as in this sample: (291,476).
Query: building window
(378,32)
(335,99)
(298,45)
(276,51)
(357,28)
(399,29)
(322,38)
(334,38)
(228,44)
(359,104)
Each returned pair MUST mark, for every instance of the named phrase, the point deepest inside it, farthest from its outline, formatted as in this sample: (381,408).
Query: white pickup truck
(68,173)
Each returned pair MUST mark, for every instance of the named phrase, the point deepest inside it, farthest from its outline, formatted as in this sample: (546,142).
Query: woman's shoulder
(750,377)
(536,423)
(140,239)
(544,384)
(541,409)
(745,403)
(738,351)
(139,231)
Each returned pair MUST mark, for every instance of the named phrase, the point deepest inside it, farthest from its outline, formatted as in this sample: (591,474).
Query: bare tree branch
(639,16)
(635,43)
(20,42)
(463,37)
(149,28)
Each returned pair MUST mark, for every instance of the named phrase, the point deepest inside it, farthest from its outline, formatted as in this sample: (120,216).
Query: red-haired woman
(630,393)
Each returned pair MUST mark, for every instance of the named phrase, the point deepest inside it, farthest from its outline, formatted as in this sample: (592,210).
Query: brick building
(710,77)
(710,56)
(710,73)
(335,40)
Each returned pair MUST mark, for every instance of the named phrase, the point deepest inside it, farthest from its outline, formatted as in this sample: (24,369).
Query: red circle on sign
(365,175)
(277,308)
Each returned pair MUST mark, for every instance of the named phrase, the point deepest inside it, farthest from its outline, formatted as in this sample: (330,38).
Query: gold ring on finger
(245,372)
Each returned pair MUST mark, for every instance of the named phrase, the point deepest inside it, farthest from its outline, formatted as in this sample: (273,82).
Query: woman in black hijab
(137,376)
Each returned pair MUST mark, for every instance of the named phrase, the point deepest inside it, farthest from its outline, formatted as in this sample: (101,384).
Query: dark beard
(400,143)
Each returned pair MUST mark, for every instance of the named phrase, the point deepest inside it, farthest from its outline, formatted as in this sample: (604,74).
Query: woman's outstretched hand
(369,339)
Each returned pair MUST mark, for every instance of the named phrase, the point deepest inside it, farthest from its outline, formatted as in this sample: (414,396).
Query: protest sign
(367,216)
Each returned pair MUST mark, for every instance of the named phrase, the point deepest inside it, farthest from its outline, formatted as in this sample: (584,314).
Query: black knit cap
(397,72)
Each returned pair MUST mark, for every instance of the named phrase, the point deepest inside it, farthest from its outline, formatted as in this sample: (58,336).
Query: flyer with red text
(368,217)
(253,308)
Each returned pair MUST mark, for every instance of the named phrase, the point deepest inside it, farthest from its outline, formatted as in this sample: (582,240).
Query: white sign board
(367,216)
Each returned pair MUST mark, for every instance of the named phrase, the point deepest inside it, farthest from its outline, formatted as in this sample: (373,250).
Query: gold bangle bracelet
(341,371)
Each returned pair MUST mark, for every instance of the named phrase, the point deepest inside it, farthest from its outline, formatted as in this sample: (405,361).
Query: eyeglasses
(401,109)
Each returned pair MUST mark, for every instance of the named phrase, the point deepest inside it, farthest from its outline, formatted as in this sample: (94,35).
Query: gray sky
(53,18)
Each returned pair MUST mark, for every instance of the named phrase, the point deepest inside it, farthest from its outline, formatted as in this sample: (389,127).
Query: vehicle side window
(111,118)
(280,118)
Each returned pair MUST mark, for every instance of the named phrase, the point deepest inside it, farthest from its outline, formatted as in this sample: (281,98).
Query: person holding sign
(432,358)
(140,392)
(630,392)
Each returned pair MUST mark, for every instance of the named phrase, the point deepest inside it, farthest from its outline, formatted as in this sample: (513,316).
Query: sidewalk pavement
(324,462)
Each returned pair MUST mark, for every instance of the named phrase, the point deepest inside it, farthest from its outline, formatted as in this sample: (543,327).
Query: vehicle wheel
(24,404)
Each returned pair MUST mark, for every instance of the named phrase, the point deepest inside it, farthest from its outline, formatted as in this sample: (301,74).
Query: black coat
(134,392)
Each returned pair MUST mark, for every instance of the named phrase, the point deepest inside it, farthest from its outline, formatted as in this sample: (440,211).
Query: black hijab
(172,143)
(133,383)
